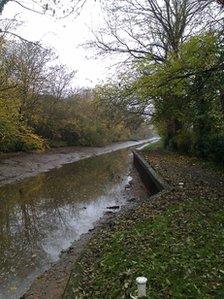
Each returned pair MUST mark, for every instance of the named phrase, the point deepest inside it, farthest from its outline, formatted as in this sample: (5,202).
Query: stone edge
(152,180)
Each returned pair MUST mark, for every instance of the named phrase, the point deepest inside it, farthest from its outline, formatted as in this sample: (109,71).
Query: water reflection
(42,215)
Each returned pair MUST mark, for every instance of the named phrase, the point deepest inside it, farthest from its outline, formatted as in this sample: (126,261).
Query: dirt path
(23,165)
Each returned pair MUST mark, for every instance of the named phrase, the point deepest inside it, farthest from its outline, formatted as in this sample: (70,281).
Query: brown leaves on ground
(189,180)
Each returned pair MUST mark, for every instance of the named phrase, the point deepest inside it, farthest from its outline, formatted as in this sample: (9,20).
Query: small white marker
(141,282)
(181,185)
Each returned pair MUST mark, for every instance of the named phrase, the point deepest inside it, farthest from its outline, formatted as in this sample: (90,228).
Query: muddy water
(43,215)
(24,165)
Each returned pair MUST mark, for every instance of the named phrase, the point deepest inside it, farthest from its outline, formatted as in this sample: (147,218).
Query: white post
(141,282)
(181,185)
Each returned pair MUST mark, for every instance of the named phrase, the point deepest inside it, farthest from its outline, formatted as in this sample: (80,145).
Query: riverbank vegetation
(172,76)
(188,97)
(176,75)
(175,239)
(38,107)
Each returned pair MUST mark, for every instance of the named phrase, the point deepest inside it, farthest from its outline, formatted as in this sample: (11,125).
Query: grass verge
(181,252)
(152,146)
(176,241)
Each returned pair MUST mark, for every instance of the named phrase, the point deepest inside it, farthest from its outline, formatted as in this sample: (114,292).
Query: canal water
(43,215)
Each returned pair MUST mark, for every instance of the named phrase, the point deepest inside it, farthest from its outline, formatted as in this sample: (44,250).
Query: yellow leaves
(9,109)
(13,133)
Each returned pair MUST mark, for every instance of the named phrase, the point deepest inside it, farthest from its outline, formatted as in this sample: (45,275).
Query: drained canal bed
(43,215)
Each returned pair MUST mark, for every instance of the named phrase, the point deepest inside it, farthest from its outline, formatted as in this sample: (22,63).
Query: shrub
(15,137)
(216,148)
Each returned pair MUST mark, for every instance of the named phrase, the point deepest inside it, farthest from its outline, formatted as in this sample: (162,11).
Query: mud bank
(24,165)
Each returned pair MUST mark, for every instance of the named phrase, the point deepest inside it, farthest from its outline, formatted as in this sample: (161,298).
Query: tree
(31,70)
(47,6)
(150,28)
(188,88)
(221,2)
(148,31)
(59,81)
(7,82)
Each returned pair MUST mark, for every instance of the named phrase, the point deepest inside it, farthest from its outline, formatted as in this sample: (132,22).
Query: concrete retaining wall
(153,182)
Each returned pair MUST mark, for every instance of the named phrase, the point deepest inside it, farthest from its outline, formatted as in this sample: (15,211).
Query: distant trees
(21,75)
(78,120)
(38,106)
(175,50)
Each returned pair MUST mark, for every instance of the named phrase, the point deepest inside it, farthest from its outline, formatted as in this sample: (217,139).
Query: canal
(43,215)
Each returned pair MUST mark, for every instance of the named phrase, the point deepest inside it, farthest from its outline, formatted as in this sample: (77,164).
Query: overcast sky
(65,35)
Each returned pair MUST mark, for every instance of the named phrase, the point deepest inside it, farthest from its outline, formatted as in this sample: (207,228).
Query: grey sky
(65,35)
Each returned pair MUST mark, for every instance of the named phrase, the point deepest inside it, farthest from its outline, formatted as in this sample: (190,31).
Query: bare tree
(59,8)
(8,29)
(52,7)
(31,69)
(6,80)
(59,82)
(150,28)
(221,2)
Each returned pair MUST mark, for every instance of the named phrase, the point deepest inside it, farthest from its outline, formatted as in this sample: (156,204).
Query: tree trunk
(172,128)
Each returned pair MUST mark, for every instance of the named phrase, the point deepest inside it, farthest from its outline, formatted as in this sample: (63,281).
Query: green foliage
(216,148)
(187,94)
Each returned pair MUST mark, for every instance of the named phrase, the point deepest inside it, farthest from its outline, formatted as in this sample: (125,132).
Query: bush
(185,141)
(216,148)
(69,135)
(14,137)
